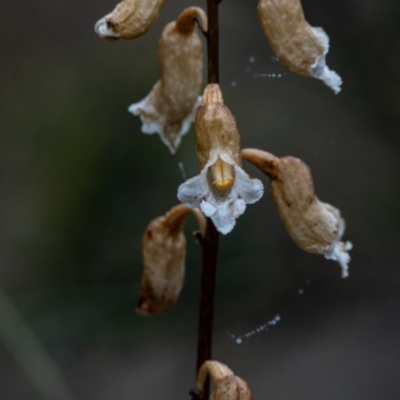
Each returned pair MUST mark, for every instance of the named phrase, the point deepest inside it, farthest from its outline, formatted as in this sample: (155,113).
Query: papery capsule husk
(129,19)
(164,253)
(227,386)
(316,227)
(298,46)
(172,104)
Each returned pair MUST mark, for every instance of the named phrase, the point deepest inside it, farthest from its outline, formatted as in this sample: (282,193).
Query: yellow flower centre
(222,174)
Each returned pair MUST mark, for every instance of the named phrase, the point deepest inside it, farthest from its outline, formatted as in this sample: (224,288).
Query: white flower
(226,203)
(222,189)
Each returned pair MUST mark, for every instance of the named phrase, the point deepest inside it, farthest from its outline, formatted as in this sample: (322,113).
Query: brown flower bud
(316,227)
(129,19)
(222,189)
(227,386)
(172,104)
(298,46)
(164,252)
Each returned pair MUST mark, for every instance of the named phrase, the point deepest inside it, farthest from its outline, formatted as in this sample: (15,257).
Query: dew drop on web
(239,339)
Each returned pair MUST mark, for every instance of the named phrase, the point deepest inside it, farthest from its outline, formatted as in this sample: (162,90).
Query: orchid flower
(222,189)
(315,226)
(298,46)
(171,106)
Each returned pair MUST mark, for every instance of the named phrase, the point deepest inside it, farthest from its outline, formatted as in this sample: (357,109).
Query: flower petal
(247,188)
(338,252)
(208,209)
(320,70)
(154,121)
(194,190)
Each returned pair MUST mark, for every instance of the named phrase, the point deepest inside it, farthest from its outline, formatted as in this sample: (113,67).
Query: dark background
(79,183)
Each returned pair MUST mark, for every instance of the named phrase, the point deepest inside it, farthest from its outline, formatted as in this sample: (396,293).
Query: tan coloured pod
(171,106)
(298,46)
(222,189)
(227,386)
(129,19)
(164,253)
(316,227)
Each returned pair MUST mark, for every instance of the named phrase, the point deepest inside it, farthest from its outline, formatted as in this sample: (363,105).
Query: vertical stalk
(213,41)
(206,313)
(210,240)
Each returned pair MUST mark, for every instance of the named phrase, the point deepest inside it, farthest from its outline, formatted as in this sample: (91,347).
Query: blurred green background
(79,183)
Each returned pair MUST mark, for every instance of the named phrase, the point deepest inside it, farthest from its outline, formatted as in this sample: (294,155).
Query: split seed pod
(227,386)
(222,189)
(164,252)
(129,19)
(172,104)
(298,46)
(316,227)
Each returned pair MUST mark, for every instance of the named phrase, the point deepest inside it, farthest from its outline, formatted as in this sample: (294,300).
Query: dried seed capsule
(164,252)
(316,227)
(227,386)
(172,104)
(129,19)
(298,46)
(222,189)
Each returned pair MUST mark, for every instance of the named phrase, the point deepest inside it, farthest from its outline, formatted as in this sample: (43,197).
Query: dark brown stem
(206,314)
(210,240)
(213,41)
